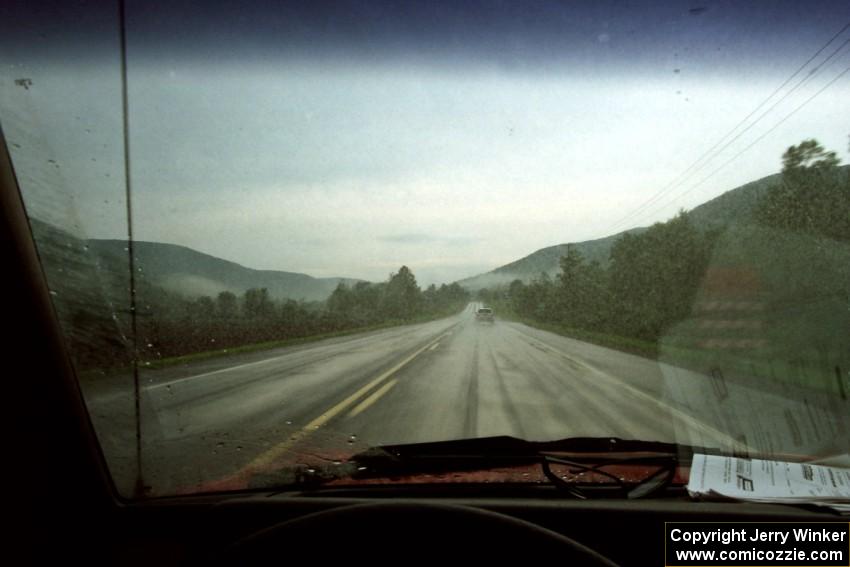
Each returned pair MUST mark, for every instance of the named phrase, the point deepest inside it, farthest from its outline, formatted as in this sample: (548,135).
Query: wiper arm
(657,481)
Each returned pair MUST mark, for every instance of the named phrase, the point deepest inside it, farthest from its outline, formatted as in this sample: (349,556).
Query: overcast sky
(353,139)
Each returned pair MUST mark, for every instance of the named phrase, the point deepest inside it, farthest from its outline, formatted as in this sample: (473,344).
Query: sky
(351,138)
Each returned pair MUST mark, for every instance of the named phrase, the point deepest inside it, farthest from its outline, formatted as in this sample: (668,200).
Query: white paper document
(769,481)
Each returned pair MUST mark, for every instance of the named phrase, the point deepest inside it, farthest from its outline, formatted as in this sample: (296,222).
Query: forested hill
(192,273)
(733,206)
(177,269)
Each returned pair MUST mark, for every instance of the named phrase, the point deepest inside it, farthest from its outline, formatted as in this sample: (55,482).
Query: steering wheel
(390,532)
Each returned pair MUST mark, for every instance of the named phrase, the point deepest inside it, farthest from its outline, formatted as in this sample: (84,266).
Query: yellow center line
(275,452)
(364,405)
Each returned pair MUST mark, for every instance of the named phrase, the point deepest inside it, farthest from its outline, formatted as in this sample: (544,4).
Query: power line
(689,171)
(757,140)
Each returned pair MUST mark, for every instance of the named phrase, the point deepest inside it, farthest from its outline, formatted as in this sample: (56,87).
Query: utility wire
(757,140)
(702,161)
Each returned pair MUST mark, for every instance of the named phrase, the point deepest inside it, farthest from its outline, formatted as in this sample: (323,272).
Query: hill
(168,266)
(192,273)
(731,207)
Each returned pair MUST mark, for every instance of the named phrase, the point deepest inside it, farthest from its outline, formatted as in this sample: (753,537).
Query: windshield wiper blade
(581,454)
(503,450)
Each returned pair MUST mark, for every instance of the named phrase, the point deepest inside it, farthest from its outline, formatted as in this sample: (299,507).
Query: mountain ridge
(184,270)
(729,207)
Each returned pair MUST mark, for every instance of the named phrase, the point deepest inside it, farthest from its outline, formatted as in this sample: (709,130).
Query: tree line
(796,241)
(171,325)
(649,284)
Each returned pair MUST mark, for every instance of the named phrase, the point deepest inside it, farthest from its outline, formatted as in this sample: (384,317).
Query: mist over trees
(173,325)
(397,299)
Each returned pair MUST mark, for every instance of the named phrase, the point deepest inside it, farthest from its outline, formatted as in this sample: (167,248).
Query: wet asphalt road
(448,379)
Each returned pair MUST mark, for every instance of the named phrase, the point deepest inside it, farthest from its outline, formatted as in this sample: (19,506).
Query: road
(448,379)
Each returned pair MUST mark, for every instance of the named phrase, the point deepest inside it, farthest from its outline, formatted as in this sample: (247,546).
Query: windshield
(269,229)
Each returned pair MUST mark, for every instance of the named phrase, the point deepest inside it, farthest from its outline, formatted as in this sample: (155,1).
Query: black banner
(815,544)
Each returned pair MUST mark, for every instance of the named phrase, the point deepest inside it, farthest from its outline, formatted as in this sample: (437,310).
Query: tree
(226,305)
(257,303)
(654,276)
(341,301)
(808,155)
(813,196)
(580,297)
(402,297)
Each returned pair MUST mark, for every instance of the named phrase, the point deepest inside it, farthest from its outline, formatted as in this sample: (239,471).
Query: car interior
(65,506)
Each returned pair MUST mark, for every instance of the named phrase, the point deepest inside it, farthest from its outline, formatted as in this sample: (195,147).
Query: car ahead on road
(484,315)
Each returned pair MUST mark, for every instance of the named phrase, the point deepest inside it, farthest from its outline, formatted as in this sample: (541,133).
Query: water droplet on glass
(288,422)
(361,468)
(53,293)
(239,447)
(220,444)
(311,471)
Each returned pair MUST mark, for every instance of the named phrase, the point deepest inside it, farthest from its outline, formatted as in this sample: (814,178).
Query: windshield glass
(269,229)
